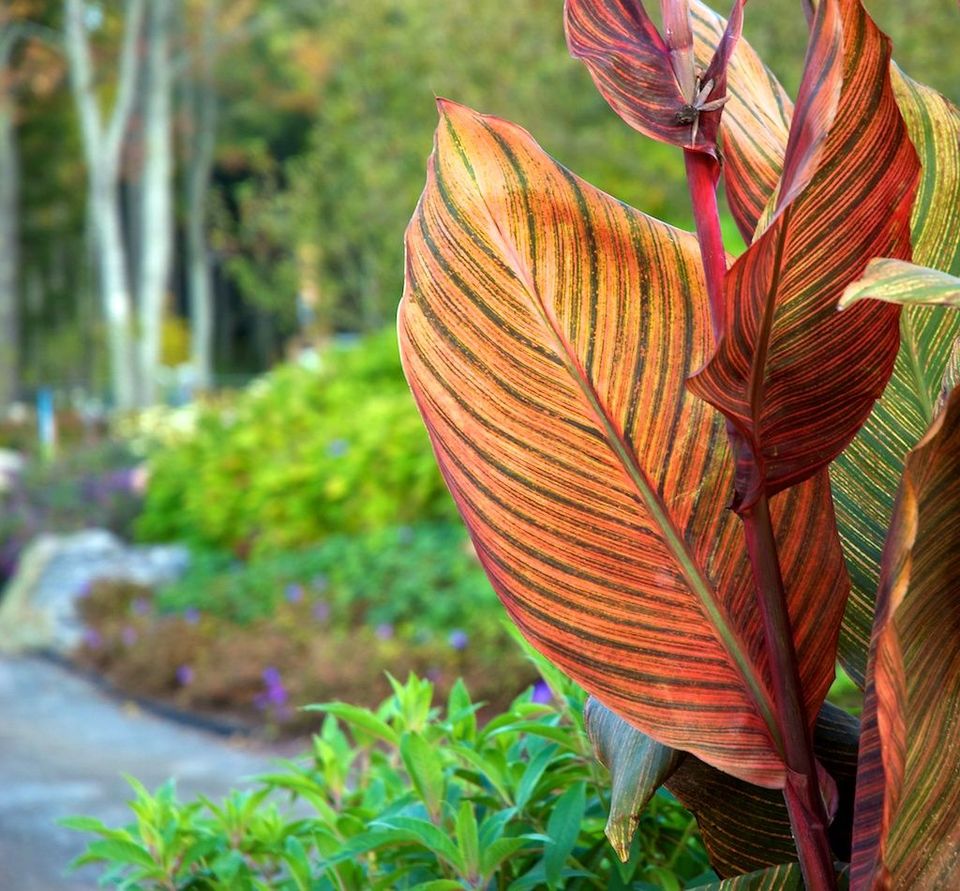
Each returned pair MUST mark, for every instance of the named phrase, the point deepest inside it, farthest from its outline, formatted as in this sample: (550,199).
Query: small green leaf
(358,718)
(426,834)
(426,771)
(467,838)
(563,828)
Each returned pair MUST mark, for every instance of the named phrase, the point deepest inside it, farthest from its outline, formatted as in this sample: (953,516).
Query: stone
(38,606)
(12,465)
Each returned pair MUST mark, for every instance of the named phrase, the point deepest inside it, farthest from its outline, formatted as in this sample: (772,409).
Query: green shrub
(302,453)
(405,797)
(410,577)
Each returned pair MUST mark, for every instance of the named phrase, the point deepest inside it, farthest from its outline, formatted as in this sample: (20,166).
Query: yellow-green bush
(299,454)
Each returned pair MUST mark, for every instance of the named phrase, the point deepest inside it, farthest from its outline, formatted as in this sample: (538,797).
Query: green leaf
(360,719)
(428,835)
(532,774)
(425,767)
(638,766)
(493,855)
(116,850)
(467,838)
(563,827)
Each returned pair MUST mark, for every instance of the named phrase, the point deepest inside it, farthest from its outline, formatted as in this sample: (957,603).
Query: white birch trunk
(156,205)
(102,148)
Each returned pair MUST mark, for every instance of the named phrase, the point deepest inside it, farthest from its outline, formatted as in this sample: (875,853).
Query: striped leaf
(744,827)
(649,79)
(638,766)
(546,330)
(905,283)
(796,378)
(865,477)
(754,125)
(907,834)
(785,877)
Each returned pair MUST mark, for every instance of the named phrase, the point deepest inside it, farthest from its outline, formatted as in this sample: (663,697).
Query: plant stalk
(804,802)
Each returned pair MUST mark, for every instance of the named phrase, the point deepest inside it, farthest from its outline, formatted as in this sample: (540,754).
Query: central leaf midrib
(645,489)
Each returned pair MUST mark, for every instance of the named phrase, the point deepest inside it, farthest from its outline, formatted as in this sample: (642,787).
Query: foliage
(252,641)
(93,485)
(408,796)
(416,578)
(330,469)
(602,389)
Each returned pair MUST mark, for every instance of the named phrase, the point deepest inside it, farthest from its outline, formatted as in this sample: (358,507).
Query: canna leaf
(649,79)
(796,378)
(905,283)
(906,832)
(865,477)
(754,126)
(638,766)
(545,330)
(744,827)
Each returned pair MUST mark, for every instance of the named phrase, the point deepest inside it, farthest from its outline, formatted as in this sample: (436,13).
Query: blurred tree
(103,143)
(22,57)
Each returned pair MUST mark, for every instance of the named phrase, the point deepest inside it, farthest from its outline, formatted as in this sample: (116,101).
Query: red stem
(802,793)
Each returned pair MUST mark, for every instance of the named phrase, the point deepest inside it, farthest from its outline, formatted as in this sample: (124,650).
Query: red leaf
(796,378)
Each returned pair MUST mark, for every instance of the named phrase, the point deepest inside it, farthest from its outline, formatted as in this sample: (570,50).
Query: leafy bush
(302,453)
(405,797)
(412,578)
(253,641)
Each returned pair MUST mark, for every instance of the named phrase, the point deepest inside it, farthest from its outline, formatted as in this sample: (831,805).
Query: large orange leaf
(795,377)
(546,330)
(906,831)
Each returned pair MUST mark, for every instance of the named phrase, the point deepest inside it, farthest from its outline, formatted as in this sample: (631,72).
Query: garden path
(63,748)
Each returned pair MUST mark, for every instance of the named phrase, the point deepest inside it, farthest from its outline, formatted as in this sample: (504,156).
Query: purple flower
(92,638)
(185,675)
(384,631)
(293,593)
(140,606)
(191,615)
(275,696)
(338,448)
(321,610)
(128,636)
(458,639)
(541,692)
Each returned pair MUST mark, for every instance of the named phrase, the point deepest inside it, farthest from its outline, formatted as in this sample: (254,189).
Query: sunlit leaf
(905,283)
(907,834)
(796,378)
(546,330)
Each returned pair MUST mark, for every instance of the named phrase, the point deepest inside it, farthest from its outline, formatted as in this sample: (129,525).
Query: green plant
(406,796)
(601,389)
(419,578)
(330,468)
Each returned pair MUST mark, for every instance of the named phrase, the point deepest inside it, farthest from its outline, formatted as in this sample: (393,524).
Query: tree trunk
(156,205)
(200,99)
(102,147)
(9,239)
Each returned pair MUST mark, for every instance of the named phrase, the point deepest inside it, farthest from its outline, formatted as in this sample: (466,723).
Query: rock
(11,467)
(38,605)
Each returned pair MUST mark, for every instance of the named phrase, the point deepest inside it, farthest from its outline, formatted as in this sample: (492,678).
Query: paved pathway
(63,748)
